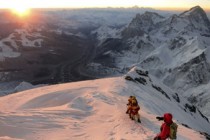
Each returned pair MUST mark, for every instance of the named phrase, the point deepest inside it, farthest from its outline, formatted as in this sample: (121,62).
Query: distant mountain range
(46,45)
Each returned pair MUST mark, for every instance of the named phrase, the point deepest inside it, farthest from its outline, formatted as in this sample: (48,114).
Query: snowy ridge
(199,96)
(77,110)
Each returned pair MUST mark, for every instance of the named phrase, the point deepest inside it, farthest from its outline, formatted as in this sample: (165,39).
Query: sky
(105,3)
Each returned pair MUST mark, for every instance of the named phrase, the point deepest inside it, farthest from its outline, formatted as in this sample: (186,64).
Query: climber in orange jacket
(133,108)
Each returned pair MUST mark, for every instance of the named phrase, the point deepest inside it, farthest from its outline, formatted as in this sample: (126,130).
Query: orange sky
(181,4)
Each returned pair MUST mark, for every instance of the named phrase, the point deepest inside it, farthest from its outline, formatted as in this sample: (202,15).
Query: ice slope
(199,96)
(93,110)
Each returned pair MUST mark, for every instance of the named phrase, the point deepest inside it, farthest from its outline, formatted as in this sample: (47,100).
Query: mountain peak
(142,23)
(197,15)
(193,10)
(196,8)
(149,15)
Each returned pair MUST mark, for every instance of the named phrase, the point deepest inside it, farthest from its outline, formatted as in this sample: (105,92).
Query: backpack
(134,101)
(173,131)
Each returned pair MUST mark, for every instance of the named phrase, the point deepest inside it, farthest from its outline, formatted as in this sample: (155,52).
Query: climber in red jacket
(165,128)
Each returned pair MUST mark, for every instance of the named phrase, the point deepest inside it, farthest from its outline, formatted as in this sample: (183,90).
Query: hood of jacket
(168,118)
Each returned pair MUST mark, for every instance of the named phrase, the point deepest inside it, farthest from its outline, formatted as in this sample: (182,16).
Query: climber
(133,108)
(168,128)
(130,100)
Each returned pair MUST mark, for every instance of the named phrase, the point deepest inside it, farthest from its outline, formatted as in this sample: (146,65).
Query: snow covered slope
(94,110)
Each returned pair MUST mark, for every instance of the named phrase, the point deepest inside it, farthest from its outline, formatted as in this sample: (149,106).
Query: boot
(139,120)
(132,118)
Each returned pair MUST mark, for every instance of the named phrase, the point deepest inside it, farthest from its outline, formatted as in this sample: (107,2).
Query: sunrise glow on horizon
(160,4)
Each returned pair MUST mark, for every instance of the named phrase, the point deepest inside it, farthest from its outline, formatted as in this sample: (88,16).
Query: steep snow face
(79,110)
(199,96)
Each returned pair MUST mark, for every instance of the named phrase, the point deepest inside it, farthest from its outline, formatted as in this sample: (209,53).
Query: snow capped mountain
(104,32)
(79,110)
(10,46)
(198,17)
(142,24)
(174,49)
